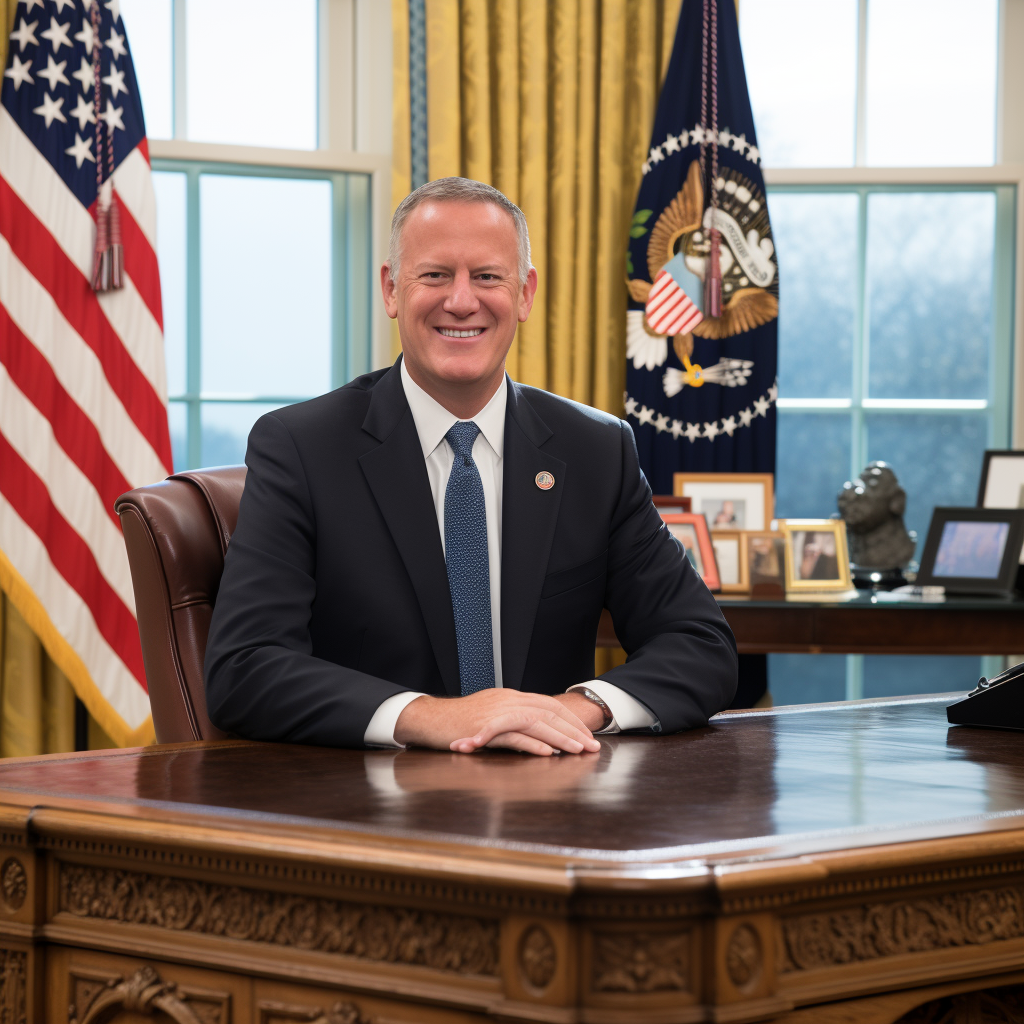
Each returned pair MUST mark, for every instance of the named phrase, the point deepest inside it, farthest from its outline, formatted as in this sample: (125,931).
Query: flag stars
(754,154)
(630,406)
(54,72)
(661,423)
(773,392)
(25,34)
(85,75)
(645,167)
(711,430)
(761,407)
(696,136)
(18,72)
(692,432)
(86,36)
(656,155)
(50,110)
(61,4)
(646,416)
(729,425)
(29,4)
(58,34)
(116,82)
(677,428)
(725,137)
(671,144)
(112,117)
(81,150)
(114,6)
(116,45)
(746,415)
(84,112)
(739,143)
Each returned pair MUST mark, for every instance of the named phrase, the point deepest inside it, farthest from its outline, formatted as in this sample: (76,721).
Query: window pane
(893,675)
(812,464)
(936,457)
(931,82)
(806,678)
(171,251)
(226,427)
(177,415)
(149,25)
(816,238)
(266,285)
(786,45)
(252,72)
(930,269)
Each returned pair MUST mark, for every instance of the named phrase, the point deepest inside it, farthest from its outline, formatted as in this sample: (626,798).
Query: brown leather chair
(177,533)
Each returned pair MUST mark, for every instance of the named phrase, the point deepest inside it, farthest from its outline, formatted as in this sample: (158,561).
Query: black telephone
(996,703)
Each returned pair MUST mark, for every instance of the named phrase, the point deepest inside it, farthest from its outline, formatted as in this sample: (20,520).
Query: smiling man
(423,555)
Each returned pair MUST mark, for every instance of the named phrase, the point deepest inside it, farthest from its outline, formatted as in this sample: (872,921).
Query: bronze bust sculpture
(872,507)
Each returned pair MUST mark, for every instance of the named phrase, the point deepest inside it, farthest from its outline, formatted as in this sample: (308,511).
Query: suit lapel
(397,476)
(528,520)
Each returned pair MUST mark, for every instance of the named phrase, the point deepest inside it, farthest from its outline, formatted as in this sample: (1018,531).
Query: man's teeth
(449,333)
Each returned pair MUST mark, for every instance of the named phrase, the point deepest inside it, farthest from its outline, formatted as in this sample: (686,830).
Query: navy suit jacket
(335,595)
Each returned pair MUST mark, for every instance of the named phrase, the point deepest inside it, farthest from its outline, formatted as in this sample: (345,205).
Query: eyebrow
(423,268)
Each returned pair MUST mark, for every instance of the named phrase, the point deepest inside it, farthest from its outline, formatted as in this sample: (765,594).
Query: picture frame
(731,559)
(730,501)
(766,562)
(672,503)
(817,557)
(973,550)
(1002,481)
(691,530)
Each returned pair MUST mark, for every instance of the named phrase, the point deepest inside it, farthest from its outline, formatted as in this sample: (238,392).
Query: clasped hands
(496,717)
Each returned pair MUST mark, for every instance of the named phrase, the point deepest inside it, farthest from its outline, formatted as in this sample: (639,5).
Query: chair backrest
(177,533)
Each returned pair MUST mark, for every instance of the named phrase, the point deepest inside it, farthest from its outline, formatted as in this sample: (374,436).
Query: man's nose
(461,299)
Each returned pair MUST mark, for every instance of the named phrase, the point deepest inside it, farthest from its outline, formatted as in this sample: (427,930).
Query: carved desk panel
(854,863)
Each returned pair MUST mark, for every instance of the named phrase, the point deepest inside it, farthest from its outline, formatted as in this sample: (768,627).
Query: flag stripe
(71,557)
(141,266)
(29,433)
(48,263)
(71,618)
(74,431)
(77,368)
(133,183)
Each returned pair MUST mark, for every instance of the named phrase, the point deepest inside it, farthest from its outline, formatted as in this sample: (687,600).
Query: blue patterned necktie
(465,554)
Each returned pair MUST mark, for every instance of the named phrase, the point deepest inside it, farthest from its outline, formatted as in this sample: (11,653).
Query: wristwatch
(605,710)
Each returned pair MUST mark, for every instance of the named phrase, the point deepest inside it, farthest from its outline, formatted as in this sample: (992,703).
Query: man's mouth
(469,332)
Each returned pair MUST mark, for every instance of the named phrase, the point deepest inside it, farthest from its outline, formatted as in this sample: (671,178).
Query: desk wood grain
(798,865)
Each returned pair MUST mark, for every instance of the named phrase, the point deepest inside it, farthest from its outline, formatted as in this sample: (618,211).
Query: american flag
(83,395)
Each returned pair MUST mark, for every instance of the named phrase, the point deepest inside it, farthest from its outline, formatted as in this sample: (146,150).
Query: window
(895,324)
(265,254)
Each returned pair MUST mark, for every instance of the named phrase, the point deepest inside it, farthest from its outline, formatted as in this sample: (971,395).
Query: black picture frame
(986,467)
(1003,582)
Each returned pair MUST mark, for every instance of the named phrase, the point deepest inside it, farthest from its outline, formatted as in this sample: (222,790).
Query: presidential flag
(83,399)
(701,382)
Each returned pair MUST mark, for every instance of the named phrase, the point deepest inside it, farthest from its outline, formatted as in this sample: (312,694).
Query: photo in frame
(731,557)
(691,530)
(730,501)
(817,557)
(973,550)
(671,503)
(1002,481)
(766,562)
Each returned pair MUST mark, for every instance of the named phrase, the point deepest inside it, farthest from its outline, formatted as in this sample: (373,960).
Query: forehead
(458,230)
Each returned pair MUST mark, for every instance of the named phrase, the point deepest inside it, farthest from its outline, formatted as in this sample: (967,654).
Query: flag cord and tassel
(709,69)
(108,257)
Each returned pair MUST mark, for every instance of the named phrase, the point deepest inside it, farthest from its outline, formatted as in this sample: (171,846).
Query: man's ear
(389,290)
(527,295)
(898,502)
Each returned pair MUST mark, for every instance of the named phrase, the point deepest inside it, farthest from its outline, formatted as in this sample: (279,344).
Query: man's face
(457,296)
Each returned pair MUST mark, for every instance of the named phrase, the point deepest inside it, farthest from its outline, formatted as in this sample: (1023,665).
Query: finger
(550,733)
(523,743)
(522,720)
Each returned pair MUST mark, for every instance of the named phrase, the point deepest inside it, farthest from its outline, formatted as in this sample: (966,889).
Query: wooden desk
(837,863)
(868,625)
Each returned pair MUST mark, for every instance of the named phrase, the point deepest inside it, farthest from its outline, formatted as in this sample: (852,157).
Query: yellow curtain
(37,703)
(551,101)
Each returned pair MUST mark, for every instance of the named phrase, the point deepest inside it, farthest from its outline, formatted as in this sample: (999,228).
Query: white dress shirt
(432,422)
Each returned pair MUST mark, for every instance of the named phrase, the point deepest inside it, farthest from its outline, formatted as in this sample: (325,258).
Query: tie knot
(461,438)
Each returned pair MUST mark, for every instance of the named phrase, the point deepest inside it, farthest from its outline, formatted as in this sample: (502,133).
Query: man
(422,556)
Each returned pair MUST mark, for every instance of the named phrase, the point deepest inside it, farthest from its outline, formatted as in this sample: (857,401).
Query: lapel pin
(545,481)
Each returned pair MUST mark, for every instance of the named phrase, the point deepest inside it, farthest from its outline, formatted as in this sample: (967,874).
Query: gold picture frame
(731,550)
(730,501)
(817,558)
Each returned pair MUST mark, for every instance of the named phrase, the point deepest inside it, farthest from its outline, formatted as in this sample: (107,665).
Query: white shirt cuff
(627,711)
(381,730)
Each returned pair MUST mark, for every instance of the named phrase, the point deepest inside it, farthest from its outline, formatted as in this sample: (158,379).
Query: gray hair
(460,190)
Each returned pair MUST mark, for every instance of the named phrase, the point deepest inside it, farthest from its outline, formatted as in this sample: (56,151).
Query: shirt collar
(433,420)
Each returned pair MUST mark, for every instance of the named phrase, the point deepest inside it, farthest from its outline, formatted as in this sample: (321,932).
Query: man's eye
(488,277)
